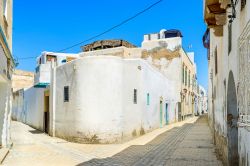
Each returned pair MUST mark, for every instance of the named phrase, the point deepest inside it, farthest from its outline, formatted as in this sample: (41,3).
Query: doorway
(179,112)
(161,114)
(46,112)
(232,119)
(166,113)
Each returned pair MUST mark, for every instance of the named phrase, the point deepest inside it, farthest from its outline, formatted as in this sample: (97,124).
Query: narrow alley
(185,143)
(190,144)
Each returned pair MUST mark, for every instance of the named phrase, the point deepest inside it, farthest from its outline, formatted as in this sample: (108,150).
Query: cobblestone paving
(190,144)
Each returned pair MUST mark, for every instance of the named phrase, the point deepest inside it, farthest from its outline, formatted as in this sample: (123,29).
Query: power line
(114,27)
(106,31)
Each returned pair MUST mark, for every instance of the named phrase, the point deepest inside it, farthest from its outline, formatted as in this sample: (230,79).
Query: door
(161,113)
(166,113)
(179,111)
(46,114)
(232,119)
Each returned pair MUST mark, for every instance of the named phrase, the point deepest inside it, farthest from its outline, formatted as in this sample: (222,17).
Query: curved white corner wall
(101,108)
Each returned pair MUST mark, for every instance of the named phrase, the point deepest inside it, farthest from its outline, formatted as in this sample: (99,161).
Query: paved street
(187,145)
(184,143)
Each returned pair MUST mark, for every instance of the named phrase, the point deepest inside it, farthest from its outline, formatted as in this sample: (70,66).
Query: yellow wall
(187,104)
(6,27)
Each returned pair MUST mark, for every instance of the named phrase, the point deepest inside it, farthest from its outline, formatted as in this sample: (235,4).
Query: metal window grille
(216,61)
(229,38)
(135,96)
(66,94)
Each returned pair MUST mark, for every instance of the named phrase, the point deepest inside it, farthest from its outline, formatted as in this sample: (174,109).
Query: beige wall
(22,80)
(187,103)
(6,25)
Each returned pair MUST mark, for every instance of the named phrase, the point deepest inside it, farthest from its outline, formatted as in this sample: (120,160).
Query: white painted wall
(101,99)
(42,75)
(227,62)
(170,43)
(5,101)
(28,107)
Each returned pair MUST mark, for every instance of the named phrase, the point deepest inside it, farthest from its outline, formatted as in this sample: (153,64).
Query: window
(135,96)
(5,8)
(64,61)
(229,38)
(243,4)
(149,37)
(183,74)
(189,79)
(66,94)
(186,76)
(147,98)
(215,61)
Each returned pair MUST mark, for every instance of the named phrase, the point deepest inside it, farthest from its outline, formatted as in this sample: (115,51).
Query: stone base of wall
(221,147)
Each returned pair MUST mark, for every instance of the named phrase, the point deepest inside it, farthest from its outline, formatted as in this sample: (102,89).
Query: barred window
(135,96)
(66,94)
(229,38)
(215,61)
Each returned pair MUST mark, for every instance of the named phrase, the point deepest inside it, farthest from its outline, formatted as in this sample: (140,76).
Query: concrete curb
(3,153)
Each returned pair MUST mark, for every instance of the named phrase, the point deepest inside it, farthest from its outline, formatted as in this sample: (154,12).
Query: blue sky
(52,25)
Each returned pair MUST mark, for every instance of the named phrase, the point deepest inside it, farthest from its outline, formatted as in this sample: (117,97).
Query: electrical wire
(106,31)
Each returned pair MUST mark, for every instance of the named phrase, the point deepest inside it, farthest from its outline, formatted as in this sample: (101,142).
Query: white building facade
(108,95)
(6,68)
(227,40)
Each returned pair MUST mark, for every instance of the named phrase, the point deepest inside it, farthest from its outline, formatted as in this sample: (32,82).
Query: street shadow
(135,153)
(35,132)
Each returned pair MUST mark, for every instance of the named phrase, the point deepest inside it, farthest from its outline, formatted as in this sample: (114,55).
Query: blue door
(166,113)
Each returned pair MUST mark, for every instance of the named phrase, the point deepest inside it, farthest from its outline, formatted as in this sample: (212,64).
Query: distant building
(22,80)
(202,101)
(6,69)
(164,50)
(44,62)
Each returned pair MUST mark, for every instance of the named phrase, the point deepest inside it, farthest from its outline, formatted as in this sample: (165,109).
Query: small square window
(66,94)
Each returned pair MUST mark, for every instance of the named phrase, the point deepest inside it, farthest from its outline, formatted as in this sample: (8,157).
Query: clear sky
(52,25)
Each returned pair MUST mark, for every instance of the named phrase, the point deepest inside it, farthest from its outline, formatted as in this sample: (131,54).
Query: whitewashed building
(227,39)
(30,103)
(165,51)
(6,68)
(109,94)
